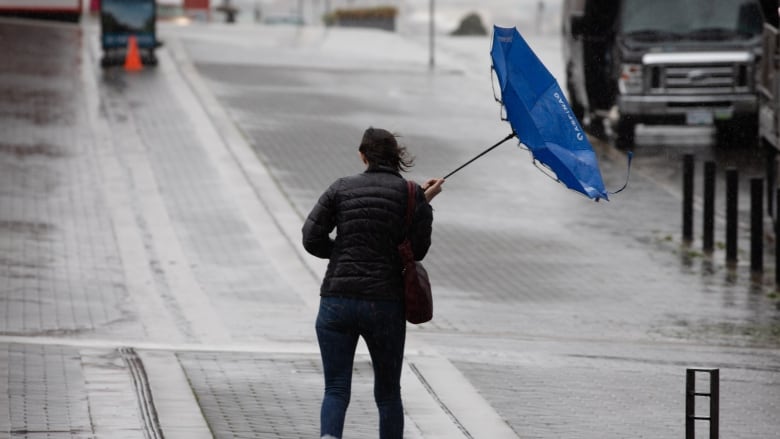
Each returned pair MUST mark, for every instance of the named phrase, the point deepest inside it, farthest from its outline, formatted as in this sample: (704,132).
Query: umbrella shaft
(481,154)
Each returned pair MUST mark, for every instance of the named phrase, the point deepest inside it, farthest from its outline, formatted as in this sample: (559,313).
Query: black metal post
(756,224)
(777,244)
(771,182)
(714,403)
(732,201)
(690,404)
(687,220)
(708,219)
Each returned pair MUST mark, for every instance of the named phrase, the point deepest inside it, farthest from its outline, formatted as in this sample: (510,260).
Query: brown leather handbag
(418,300)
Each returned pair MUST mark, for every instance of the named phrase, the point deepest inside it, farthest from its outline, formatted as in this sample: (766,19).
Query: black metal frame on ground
(690,402)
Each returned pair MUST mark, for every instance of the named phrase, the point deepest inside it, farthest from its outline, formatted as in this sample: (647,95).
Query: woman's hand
(432,188)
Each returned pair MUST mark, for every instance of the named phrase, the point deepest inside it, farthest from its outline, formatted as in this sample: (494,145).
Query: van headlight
(630,79)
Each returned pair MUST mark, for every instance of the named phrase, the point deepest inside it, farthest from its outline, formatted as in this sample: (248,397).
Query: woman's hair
(381,149)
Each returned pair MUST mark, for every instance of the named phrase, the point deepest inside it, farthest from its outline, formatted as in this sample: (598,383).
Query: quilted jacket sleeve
(421,226)
(320,222)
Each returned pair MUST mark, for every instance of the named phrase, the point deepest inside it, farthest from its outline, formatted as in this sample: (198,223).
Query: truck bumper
(677,108)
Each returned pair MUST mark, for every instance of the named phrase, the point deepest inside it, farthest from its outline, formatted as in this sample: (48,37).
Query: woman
(362,291)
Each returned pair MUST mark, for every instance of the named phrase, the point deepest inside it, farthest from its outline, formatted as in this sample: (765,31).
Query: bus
(62,10)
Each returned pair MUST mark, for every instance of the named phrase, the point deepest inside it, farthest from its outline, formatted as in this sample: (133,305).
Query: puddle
(21,151)
(743,333)
(35,229)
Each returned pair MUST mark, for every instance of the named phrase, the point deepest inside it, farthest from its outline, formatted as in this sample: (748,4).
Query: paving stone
(46,390)
(273,396)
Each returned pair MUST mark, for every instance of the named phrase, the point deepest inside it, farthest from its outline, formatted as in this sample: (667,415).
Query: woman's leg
(384,330)
(337,338)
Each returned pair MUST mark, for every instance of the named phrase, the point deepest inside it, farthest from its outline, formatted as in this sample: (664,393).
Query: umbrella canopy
(541,117)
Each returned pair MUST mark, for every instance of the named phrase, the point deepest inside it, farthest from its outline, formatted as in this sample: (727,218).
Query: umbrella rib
(493,85)
(546,171)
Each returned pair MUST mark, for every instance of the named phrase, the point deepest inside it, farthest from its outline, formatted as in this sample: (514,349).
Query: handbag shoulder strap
(410,203)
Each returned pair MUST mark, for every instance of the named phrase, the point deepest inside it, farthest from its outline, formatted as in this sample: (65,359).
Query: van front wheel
(738,133)
(624,134)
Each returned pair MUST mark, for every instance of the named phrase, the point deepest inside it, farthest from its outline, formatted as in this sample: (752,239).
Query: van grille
(698,79)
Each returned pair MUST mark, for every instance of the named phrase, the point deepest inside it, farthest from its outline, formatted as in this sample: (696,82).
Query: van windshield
(691,19)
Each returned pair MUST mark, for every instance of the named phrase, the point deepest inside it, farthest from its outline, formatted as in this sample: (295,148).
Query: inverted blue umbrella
(541,117)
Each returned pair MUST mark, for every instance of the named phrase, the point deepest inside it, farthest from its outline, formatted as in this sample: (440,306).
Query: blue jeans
(383,327)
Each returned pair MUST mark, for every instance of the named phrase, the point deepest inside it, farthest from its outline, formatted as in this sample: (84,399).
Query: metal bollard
(708,218)
(777,243)
(757,224)
(690,402)
(687,219)
(732,199)
(771,182)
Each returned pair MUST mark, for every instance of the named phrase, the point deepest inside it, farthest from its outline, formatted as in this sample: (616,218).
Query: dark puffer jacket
(367,210)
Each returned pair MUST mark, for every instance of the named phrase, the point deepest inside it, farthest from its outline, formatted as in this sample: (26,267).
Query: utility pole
(431,29)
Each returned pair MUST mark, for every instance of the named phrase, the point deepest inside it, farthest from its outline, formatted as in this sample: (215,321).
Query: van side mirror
(577,25)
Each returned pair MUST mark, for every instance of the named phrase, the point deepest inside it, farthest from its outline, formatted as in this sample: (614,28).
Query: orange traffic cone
(133,58)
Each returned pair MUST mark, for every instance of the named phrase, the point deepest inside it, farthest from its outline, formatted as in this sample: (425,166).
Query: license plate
(699,117)
(723,113)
